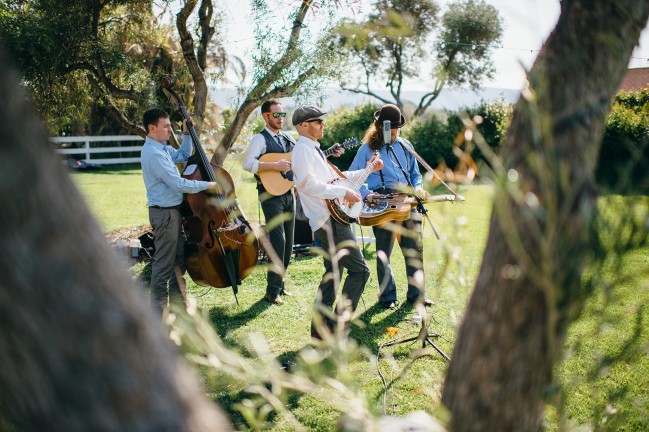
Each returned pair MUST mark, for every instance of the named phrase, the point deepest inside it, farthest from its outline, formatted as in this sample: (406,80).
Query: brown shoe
(274,299)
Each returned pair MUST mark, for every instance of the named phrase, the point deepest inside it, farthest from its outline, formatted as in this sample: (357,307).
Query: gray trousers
(169,260)
(357,271)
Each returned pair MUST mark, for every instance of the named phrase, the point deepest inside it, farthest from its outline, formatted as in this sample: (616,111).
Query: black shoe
(274,299)
(286,293)
(389,304)
(426,301)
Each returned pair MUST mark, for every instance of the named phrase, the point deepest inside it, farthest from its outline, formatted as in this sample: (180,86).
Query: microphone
(387,132)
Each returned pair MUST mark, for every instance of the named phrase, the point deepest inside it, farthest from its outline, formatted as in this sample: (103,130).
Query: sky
(527,23)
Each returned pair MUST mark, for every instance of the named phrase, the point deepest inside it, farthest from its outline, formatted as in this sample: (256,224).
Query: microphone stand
(423,334)
(420,203)
(421,160)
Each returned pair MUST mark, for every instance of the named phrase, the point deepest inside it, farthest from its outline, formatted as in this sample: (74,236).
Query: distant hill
(450,99)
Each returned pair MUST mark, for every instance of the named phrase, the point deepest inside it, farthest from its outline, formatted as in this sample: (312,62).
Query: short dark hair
(152,116)
(265,107)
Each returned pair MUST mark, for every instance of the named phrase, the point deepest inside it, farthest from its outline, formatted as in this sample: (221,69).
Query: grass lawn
(610,329)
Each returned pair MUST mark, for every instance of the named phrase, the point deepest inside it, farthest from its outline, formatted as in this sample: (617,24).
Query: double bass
(221,248)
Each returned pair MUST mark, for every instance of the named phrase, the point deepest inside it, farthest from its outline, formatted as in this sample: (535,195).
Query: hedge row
(624,157)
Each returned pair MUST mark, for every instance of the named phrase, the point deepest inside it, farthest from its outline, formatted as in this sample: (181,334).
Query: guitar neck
(329,151)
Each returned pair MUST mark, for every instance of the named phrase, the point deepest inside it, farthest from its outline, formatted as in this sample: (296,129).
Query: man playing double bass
(164,192)
(400,172)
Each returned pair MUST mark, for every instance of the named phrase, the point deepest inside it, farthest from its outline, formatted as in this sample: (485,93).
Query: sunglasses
(319,121)
(277,114)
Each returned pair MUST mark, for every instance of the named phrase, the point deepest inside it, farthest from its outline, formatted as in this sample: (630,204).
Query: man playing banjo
(313,177)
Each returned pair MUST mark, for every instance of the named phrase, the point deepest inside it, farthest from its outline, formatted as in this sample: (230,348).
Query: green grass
(610,329)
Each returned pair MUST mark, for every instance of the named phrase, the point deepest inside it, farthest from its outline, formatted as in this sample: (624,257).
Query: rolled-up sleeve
(256,148)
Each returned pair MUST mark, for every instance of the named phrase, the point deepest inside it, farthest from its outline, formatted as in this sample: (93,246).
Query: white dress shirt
(312,175)
(257,148)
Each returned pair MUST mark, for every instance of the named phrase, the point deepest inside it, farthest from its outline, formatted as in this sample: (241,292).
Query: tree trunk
(233,131)
(528,289)
(80,349)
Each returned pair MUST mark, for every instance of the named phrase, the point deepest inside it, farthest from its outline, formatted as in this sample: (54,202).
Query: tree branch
(193,64)
(121,118)
(205,13)
(98,70)
(368,93)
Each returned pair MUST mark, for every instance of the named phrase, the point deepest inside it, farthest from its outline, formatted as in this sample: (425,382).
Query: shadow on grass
(372,332)
(224,323)
(229,401)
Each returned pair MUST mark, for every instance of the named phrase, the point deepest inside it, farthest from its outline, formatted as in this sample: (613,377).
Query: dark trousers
(357,271)
(279,212)
(169,260)
(411,243)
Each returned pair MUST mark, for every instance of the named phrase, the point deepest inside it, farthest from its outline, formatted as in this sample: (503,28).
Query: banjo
(338,209)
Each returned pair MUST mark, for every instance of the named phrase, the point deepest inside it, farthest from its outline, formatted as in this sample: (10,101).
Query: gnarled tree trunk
(80,349)
(528,290)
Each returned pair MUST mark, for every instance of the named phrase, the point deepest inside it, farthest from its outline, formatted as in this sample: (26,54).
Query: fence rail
(87,151)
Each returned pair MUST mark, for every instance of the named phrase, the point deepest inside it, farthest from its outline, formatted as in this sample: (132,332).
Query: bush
(624,156)
(347,123)
(432,138)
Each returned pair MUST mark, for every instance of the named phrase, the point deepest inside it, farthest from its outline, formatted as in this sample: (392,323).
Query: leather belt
(165,208)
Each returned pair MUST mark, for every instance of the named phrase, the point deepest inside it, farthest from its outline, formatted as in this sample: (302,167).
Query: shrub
(432,138)
(347,123)
(624,156)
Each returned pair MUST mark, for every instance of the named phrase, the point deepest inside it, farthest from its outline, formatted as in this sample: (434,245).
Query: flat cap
(306,112)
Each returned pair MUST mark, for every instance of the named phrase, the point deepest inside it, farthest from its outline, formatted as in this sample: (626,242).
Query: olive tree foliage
(531,285)
(394,42)
(80,56)
(294,58)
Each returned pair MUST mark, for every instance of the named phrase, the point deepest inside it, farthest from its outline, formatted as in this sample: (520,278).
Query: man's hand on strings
(373,197)
(422,194)
(351,197)
(338,150)
(185,127)
(378,164)
(283,165)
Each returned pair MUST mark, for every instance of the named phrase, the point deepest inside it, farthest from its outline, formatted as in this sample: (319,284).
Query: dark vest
(272,146)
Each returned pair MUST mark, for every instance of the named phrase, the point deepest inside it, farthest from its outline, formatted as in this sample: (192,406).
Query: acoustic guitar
(396,208)
(279,182)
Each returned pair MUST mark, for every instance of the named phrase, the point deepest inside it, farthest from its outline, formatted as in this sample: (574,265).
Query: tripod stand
(423,336)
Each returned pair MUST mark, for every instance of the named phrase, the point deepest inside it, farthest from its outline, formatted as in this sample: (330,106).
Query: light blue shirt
(164,186)
(393,177)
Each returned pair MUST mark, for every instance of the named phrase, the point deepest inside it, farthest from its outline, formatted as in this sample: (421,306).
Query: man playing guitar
(400,173)
(313,178)
(272,140)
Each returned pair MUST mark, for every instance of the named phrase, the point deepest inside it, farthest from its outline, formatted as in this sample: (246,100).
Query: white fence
(87,151)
